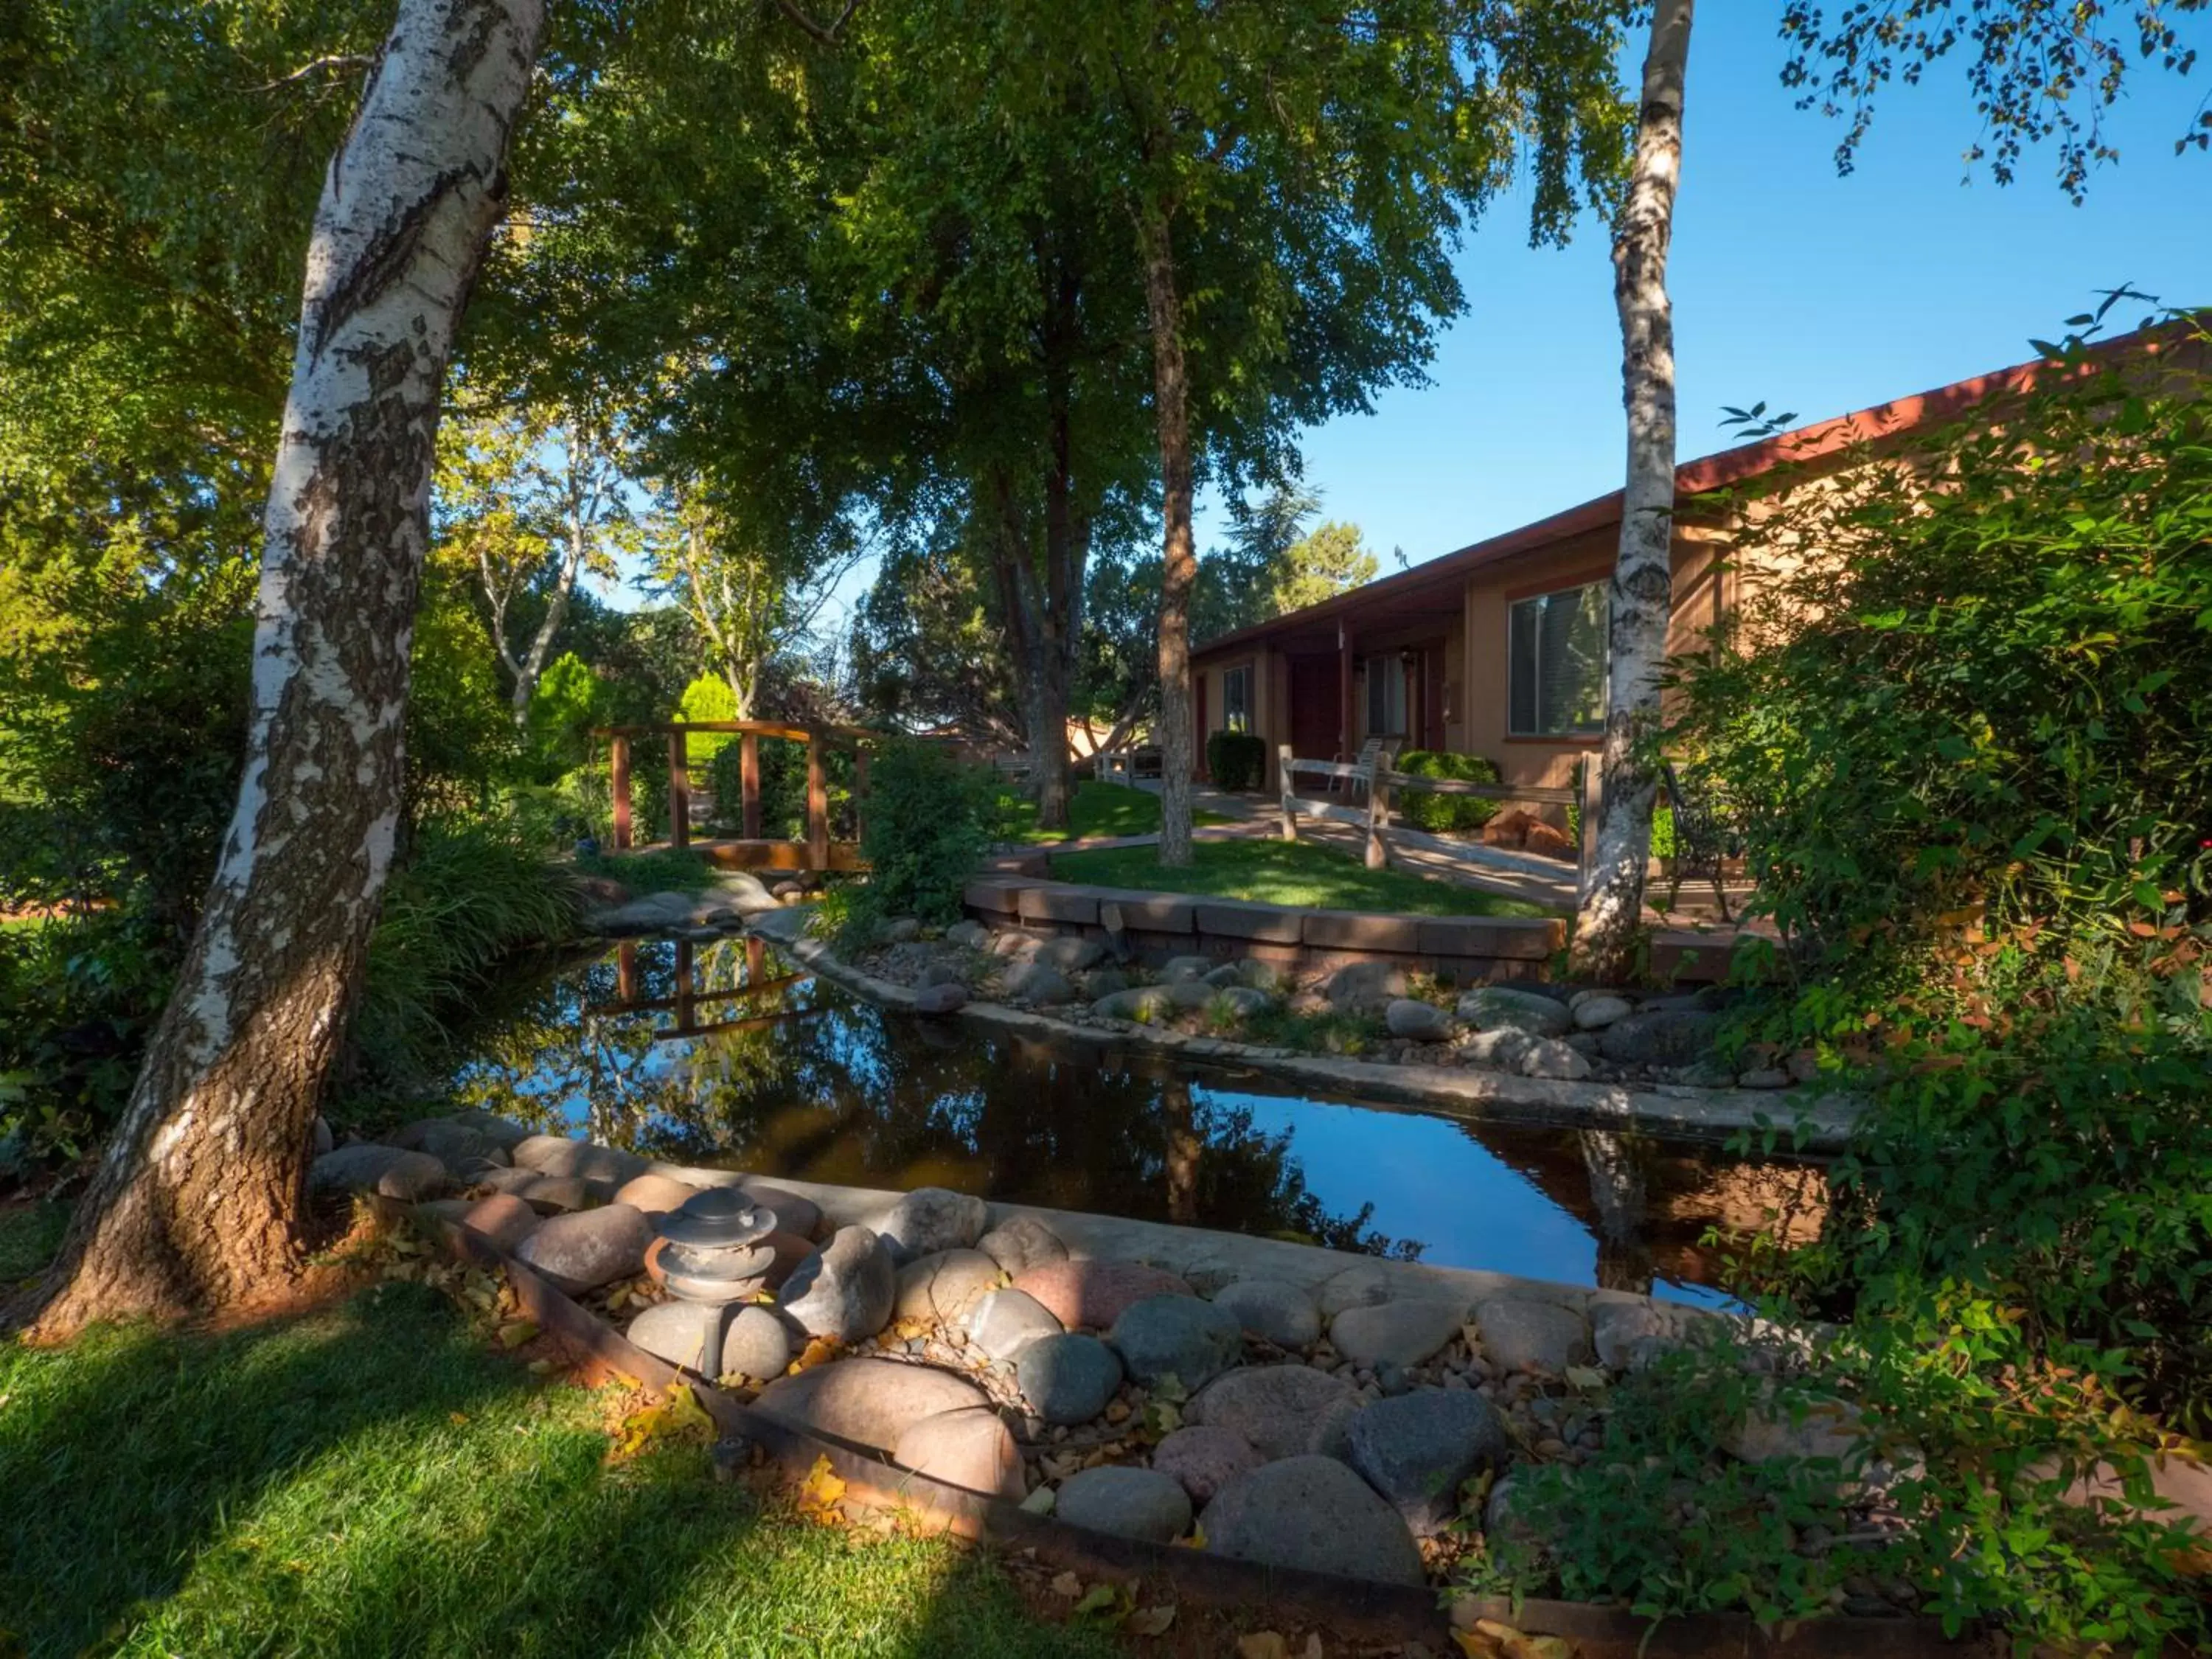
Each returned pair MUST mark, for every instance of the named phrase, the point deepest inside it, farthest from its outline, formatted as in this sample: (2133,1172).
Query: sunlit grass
(1098,809)
(1295,873)
(371,1481)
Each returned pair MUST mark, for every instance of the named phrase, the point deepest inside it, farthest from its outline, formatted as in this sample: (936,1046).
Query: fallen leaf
(1588,1378)
(677,1415)
(1103,1604)
(1151,1621)
(1263,1644)
(457,1417)
(515,1335)
(819,1492)
(1067,1585)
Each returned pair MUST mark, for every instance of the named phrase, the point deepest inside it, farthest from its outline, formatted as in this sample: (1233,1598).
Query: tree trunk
(1179,568)
(531,669)
(1611,912)
(197,1198)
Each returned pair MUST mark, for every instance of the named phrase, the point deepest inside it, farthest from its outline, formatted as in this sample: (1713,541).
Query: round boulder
(1418,1022)
(1417,1448)
(387,1170)
(557,1155)
(1521,1334)
(1177,1336)
(872,1402)
(1096,1293)
(655,1195)
(1127,1502)
(801,1217)
(1316,1515)
(943,1286)
(1021,1242)
(932,1218)
(969,1447)
(1366,987)
(845,1290)
(1001,1323)
(1205,1459)
(1501,1007)
(1401,1332)
(1281,1411)
(944,997)
(500,1217)
(1272,1310)
(591,1248)
(1068,1378)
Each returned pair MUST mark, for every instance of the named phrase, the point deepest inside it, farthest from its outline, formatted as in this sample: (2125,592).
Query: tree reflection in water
(717,1055)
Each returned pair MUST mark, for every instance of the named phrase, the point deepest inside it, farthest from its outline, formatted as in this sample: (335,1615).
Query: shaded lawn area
(1097,809)
(1297,873)
(372,1481)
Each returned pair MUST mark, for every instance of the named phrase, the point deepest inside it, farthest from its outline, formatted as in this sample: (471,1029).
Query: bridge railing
(749,849)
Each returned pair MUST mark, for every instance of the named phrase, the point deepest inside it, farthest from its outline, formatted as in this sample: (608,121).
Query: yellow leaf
(515,1336)
(1195,1541)
(1473,1645)
(457,1417)
(1263,1644)
(677,1415)
(1067,1585)
(1588,1378)
(823,1486)
(1151,1621)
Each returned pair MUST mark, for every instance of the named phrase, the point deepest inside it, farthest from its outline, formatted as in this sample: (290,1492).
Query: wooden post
(756,958)
(626,971)
(618,762)
(1347,744)
(1589,784)
(817,805)
(686,1006)
(859,792)
(1378,816)
(749,769)
(1290,802)
(679,787)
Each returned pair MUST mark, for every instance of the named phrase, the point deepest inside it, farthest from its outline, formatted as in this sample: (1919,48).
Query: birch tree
(1641,598)
(196,1201)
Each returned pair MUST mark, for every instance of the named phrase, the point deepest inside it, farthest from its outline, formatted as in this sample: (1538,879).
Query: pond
(724,1055)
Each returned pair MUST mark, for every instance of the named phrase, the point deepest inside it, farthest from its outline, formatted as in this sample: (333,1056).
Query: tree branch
(825,33)
(333,60)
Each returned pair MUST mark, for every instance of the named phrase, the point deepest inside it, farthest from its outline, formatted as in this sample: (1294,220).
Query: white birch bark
(1611,898)
(196,1199)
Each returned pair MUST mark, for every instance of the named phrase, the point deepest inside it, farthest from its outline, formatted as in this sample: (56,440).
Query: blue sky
(1817,293)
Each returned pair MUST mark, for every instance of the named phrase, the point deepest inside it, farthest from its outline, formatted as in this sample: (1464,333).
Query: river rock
(500,1217)
(553,1194)
(933,1218)
(388,1170)
(1070,956)
(1666,1037)
(969,1447)
(1273,1310)
(1401,1332)
(1501,1007)
(1523,1334)
(755,1343)
(1036,981)
(553,1154)
(1101,983)
(1366,987)
(1139,1002)
(1179,971)
(456,1145)
(1548,1057)
(1417,1021)
(1594,1014)
(1242,1000)
(1093,1294)
(1417,1448)
(1505,1047)
(1021,1242)
(320,1139)
(1776,1431)
(943,1286)
(591,1248)
(655,1195)
(1129,1502)
(1002,1324)
(970,935)
(1628,1335)
(1281,1411)
(873,1402)
(686,1334)
(1506,1528)
(943,997)
(1179,1336)
(845,1290)
(504,1130)
(790,1250)
(1205,1458)
(1066,1377)
(1316,1515)
(792,1213)
(1763,1076)
(902,930)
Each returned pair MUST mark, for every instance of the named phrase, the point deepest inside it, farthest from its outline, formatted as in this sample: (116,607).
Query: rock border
(1365,1609)
(1822,1125)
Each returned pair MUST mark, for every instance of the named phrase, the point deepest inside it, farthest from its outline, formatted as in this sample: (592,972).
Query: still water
(722,1054)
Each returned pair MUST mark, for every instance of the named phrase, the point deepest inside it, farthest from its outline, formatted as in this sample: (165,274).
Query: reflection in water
(719,1054)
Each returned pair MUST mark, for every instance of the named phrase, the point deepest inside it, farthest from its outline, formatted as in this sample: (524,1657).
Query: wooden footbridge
(817,850)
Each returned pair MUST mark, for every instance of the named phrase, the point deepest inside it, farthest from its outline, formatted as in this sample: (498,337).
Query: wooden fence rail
(751,850)
(1380,782)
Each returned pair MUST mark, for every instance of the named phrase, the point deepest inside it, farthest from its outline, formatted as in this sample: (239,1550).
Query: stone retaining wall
(1158,925)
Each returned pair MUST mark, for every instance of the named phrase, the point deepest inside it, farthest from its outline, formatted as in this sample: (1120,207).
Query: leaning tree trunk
(1179,566)
(197,1200)
(1611,911)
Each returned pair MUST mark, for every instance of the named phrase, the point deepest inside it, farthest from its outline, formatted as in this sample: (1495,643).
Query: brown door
(1313,707)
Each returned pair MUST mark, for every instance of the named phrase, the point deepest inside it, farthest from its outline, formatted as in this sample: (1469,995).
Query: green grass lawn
(656,870)
(372,1481)
(1295,873)
(1100,809)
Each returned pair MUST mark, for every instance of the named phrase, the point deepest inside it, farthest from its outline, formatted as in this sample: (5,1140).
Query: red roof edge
(1716,471)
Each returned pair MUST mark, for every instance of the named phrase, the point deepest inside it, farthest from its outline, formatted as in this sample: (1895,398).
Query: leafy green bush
(1446,814)
(570,700)
(1236,760)
(782,789)
(469,896)
(927,829)
(78,998)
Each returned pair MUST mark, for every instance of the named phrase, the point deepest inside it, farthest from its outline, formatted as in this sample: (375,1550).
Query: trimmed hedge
(1236,760)
(1442,814)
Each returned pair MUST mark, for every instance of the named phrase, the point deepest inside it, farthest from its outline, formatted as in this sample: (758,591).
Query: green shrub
(1236,760)
(708,698)
(78,998)
(928,829)
(570,700)
(1446,814)
(782,787)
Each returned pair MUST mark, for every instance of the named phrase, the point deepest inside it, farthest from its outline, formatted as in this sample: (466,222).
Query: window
(1386,698)
(1556,648)
(1237,698)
